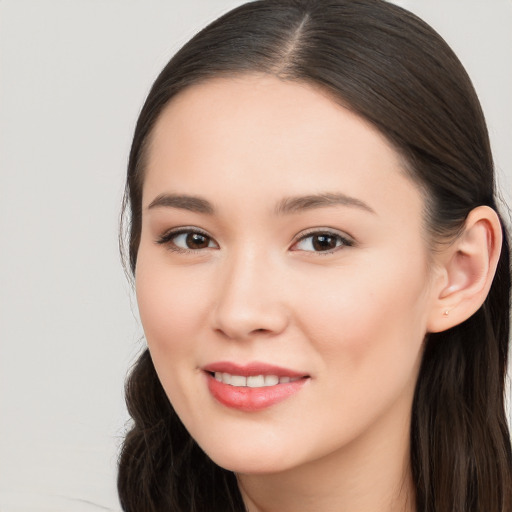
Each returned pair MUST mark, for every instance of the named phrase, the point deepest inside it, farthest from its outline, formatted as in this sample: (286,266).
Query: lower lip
(252,399)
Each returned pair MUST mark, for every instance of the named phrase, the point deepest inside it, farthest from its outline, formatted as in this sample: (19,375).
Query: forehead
(262,106)
(266,137)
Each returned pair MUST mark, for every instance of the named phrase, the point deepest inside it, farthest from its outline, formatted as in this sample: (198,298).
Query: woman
(321,272)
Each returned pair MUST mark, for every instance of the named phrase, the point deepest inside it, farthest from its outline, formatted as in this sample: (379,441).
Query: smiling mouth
(252,387)
(253,381)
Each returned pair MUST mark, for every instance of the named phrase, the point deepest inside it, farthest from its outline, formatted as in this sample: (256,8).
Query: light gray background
(73,76)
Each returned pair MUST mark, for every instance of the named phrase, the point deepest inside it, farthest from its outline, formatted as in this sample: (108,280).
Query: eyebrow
(286,206)
(309,202)
(184,202)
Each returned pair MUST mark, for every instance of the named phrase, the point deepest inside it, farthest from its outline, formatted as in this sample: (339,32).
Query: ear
(466,270)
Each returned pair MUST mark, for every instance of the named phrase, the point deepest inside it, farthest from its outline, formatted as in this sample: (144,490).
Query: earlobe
(468,267)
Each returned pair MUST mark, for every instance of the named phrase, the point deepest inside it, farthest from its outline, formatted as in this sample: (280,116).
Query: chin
(255,461)
(251,467)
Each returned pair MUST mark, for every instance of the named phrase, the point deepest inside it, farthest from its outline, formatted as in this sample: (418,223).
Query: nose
(250,300)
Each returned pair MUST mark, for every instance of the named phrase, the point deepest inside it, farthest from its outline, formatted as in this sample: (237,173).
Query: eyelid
(348,241)
(166,238)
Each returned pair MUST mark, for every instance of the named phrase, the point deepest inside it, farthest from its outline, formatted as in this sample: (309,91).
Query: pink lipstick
(252,387)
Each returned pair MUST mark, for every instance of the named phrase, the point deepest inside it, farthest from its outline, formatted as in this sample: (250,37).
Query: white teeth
(254,381)
(238,380)
(271,380)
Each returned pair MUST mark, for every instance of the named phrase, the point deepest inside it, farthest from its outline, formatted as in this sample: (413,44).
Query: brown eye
(196,241)
(187,240)
(322,242)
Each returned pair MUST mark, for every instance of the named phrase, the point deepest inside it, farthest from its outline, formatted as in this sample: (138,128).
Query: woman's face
(283,278)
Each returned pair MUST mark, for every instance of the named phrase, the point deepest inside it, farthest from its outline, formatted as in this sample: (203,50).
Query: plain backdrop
(73,76)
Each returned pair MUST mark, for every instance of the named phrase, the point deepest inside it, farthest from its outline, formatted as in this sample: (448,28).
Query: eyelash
(344,240)
(168,236)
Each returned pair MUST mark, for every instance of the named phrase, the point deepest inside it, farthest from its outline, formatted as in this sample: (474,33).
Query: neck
(371,474)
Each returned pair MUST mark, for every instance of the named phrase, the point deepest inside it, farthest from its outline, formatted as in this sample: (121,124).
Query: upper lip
(251,369)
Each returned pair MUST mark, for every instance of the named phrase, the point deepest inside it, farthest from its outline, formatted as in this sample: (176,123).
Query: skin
(353,319)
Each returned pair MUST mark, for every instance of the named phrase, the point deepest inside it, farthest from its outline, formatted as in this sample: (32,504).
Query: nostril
(238,321)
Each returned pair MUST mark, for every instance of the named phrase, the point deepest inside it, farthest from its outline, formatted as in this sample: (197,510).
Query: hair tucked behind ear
(461,455)
(392,69)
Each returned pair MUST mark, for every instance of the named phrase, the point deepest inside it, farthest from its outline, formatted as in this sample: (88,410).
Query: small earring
(446,312)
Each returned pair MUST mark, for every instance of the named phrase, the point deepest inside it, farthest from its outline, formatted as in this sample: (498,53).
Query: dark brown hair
(395,71)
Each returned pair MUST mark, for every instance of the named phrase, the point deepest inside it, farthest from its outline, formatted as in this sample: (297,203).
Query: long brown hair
(395,71)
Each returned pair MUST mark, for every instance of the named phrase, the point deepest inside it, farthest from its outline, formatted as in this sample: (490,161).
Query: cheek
(170,305)
(368,332)
(369,320)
